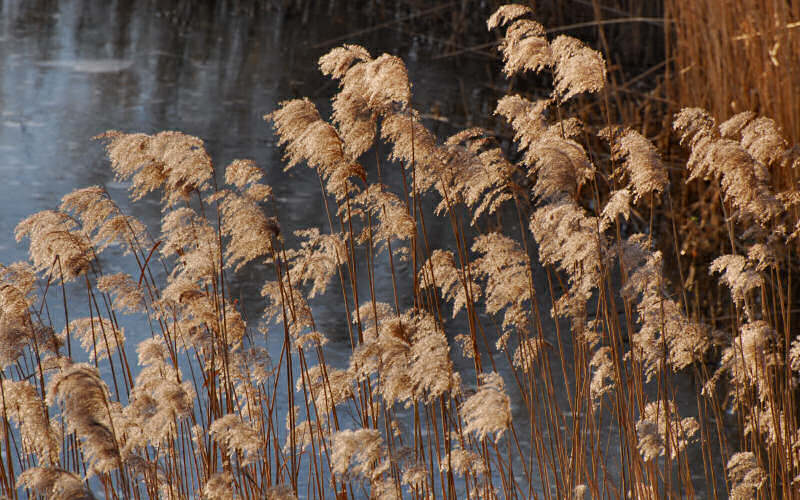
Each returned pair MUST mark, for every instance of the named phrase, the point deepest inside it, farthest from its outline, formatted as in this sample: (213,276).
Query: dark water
(73,69)
(70,70)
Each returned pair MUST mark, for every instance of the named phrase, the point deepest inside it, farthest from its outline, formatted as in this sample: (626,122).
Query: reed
(759,39)
(570,367)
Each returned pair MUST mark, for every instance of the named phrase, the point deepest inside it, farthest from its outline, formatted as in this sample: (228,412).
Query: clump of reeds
(587,398)
(738,56)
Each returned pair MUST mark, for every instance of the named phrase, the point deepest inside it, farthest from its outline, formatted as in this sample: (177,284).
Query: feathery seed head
(661,428)
(57,246)
(525,48)
(737,274)
(128,296)
(339,60)
(489,409)
(355,451)
(172,160)
(54,483)
(84,400)
(507,13)
(561,166)
(578,68)
(236,435)
(745,475)
(639,158)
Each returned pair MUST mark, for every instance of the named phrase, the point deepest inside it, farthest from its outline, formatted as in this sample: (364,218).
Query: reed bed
(619,391)
(760,39)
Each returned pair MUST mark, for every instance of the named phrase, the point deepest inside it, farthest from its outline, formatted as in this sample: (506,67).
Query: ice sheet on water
(90,65)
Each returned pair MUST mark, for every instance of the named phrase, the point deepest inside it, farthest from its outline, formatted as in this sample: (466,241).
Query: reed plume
(747,477)
(172,161)
(41,436)
(488,411)
(86,407)
(55,483)
(250,231)
(375,404)
(727,162)
(57,245)
(660,430)
(307,138)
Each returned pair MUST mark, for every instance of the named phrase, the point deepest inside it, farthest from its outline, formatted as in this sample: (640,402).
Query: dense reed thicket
(622,392)
(760,39)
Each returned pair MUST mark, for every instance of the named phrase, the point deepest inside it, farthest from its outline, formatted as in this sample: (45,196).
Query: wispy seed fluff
(560,165)
(354,120)
(18,328)
(664,333)
(176,162)
(440,270)
(158,398)
(218,487)
(716,158)
(488,411)
(479,174)
(54,483)
(354,452)
(236,436)
(431,369)
(307,138)
(198,319)
(737,274)
(250,232)
(526,118)
(507,13)
(618,205)
(40,436)
(391,220)
(603,375)
(505,266)
(99,337)
(639,158)
(57,246)
(748,358)
(317,259)
(410,356)
(761,136)
(414,146)
(578,68)
(568,238)
(524,46)
(244,173)
(387,83)
(661,428)
(463,462)
(102,219)
(127,294)
(282,298)
(329,387)
(84,400)
(745,475)
(194,241)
